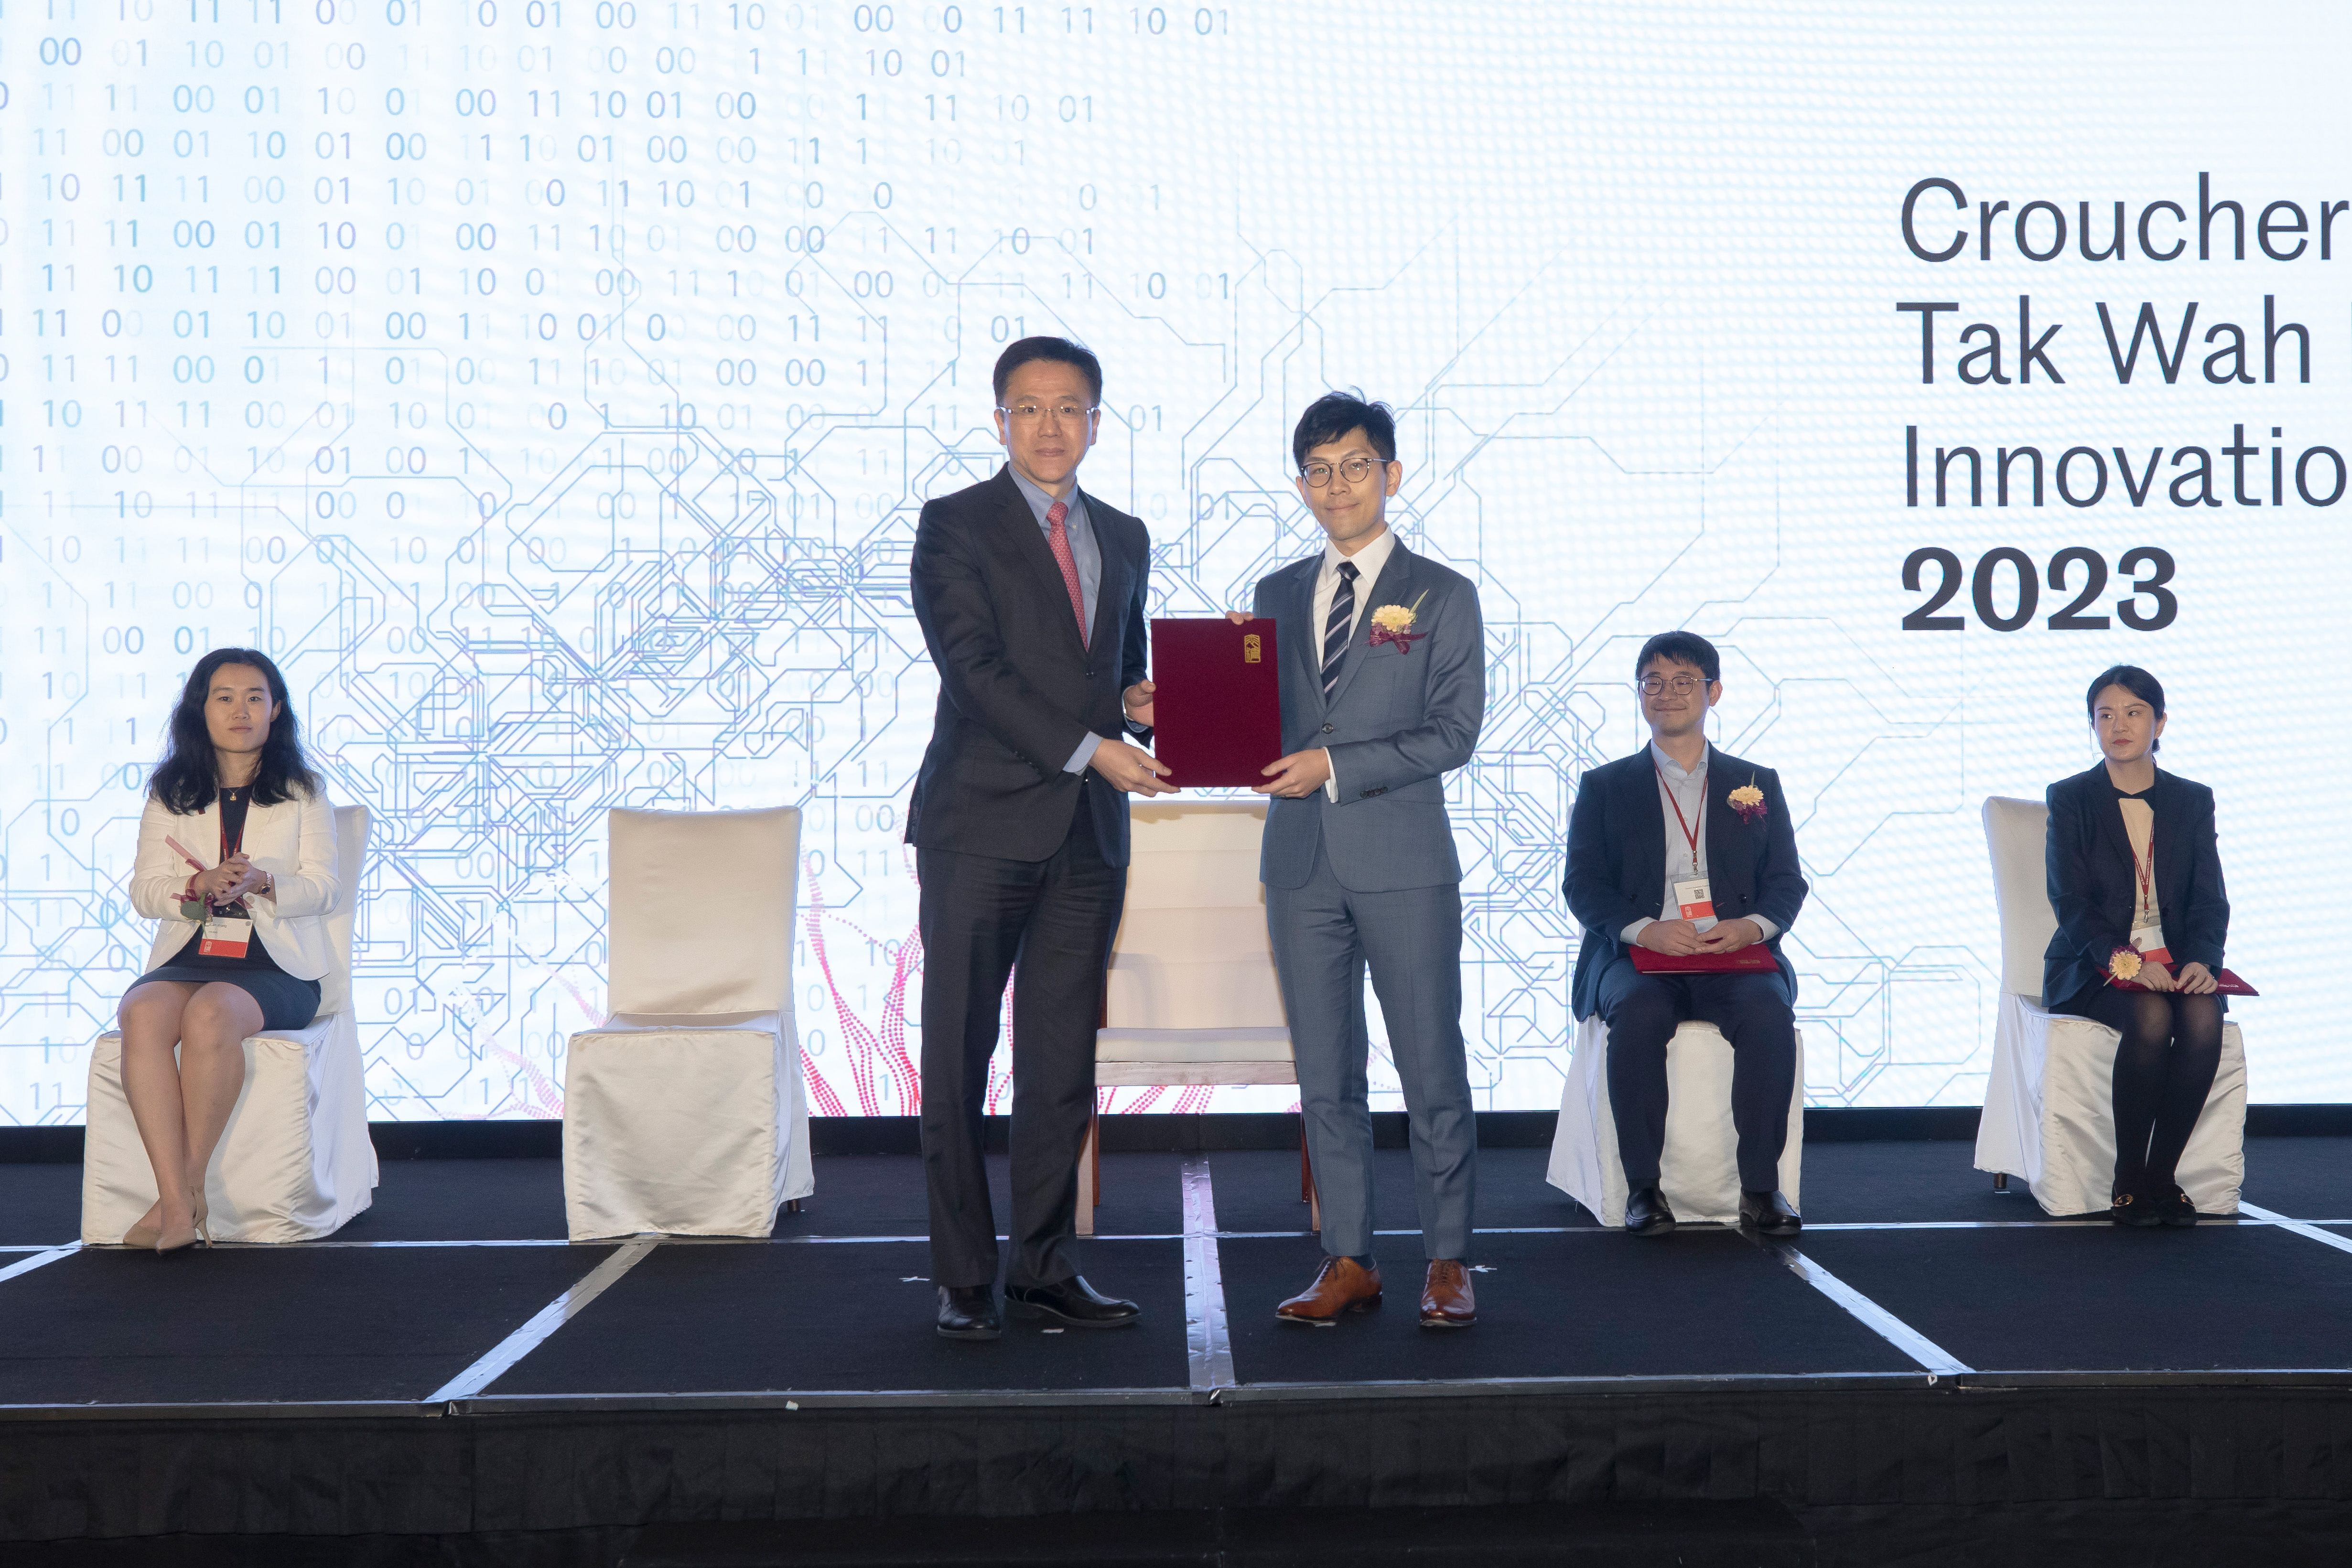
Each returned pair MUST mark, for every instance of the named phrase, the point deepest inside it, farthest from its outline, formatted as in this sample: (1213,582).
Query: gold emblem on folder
(1253,648)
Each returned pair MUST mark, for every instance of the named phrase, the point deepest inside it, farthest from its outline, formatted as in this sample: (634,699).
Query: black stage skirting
(1930,1363)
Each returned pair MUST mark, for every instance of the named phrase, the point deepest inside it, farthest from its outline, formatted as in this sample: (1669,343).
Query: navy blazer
(1396,724)
(1617,860)
(1018,689)
(2093,887)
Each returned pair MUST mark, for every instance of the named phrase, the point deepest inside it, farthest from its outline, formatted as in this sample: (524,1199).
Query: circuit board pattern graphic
(552,388)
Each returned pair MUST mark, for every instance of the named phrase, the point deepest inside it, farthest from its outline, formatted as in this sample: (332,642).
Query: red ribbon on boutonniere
(1749,802)
(1394,623)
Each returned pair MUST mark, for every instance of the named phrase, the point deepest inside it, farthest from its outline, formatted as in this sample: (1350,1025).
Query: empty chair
(684,1112)
(295,1162)
(1698,1171)
(1193,998)
(2048,1110)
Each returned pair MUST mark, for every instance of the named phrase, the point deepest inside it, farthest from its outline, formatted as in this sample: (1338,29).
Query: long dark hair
(187,777)
(2133,679)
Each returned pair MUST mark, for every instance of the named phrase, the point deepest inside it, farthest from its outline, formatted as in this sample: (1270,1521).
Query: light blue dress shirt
(1686,790)
(1087,555)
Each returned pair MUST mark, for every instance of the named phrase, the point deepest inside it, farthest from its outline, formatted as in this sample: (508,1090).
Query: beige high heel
(142,1235)
(200,1231)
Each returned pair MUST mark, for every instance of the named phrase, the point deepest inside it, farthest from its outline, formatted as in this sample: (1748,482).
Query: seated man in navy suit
(1682,849)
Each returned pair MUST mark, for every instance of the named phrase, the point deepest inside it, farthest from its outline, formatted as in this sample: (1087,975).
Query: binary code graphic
(552,388)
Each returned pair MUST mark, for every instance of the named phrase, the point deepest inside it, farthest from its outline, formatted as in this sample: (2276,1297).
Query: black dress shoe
(969,1311)
(1646,1213)
(1769,1213)
(2136,1209)
(2174,1208)
(1072,1301)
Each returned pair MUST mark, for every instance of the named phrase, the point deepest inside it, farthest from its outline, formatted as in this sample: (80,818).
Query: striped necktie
(1337,626)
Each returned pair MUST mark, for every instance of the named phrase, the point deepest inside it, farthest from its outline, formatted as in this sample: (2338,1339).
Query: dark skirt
(285,1002)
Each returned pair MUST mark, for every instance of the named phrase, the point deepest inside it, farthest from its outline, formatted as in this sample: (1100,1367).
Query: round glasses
(1681,685)
(1356,469)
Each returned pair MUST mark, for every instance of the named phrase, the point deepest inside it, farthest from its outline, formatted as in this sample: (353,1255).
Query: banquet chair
(1698,1169)
(2049,1109)
(685,1112)
(1193,998)
(295,1162)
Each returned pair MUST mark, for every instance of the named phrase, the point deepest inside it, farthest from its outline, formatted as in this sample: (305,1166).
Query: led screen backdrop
(552,385)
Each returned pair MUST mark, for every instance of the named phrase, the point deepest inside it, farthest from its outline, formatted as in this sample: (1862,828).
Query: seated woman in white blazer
(236,864)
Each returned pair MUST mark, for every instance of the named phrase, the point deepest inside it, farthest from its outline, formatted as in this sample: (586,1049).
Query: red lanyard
(2145,873)
(228,848)
(1689,832)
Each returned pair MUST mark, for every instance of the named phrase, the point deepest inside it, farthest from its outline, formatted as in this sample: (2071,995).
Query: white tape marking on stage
(1208,1350)
(2325,1237)
(542,1325)
(1869,1314)
(40,1261)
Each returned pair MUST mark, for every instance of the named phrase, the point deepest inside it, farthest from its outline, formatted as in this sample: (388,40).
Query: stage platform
(1929,1357)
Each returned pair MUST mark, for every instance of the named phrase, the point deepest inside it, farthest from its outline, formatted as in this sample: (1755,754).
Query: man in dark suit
(1031,596)
(1684,849)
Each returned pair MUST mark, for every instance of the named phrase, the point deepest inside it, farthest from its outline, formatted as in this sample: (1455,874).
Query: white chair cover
(296,1162)
(685,1112)
(1193,998)
(1698,1172)
(2049,1110)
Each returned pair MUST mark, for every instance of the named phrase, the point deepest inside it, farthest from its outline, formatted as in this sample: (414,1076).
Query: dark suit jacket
(1395,725)
(1018,690)
(2093,886)
(1617,860)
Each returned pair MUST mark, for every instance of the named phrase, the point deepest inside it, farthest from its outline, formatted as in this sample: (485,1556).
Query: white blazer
(293,840)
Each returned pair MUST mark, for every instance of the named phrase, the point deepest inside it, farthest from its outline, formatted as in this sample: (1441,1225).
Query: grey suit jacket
(1397,722)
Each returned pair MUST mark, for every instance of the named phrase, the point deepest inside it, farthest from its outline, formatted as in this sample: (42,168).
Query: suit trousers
(1324,937)
(1048,925)
(1753,1013)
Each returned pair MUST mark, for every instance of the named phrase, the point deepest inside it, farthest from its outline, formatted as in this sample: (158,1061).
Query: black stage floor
(448,1367)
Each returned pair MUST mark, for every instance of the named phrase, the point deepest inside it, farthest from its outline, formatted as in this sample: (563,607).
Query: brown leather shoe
(1447,1301)
(1342,1285)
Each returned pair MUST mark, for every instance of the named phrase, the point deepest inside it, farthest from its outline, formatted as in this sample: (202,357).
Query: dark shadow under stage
(1929,1355)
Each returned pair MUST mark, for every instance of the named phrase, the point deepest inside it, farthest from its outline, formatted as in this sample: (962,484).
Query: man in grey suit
(1383,686)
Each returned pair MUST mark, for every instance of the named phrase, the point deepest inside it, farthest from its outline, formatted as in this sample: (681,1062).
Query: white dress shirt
(1680,788)
(1369,560)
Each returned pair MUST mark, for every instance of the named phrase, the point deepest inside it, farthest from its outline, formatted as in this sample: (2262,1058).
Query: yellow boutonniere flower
(1749,802)
(2124,964)
(1394,617)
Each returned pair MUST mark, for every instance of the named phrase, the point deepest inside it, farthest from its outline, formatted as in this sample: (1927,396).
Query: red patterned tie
(1058,536)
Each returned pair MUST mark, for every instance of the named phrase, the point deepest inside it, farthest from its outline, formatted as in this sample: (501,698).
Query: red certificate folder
(2225,983)
(1753,959)
(1216,702)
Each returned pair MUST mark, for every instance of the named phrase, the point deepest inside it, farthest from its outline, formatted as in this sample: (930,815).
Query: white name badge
(1693,897)
(225,938)
(2148,941)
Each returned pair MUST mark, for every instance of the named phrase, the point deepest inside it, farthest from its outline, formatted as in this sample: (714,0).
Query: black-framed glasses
(1681,685)
(1356,469)
(1030,413)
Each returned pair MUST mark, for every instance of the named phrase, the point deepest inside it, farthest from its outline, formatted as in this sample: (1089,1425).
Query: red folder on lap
(1216,702)
(2225,983)
(1753,959)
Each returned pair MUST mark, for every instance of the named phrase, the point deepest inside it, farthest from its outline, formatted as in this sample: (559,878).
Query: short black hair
(1684,647)
(186,779)
(1334,414)
(2133,679)
(1061,350)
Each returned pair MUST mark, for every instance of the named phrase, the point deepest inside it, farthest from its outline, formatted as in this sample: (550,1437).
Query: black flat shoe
(1071,1302)
(1768,1214)
(2135,1210)
(969,1311)
(2175,1209)
(1646,1213)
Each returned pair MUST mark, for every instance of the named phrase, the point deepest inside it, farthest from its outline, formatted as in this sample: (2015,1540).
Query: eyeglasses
(1681,685)
(1356,469)
(1030,413)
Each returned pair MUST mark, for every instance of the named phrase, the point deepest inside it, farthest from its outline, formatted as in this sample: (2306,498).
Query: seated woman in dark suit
(2133,864)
